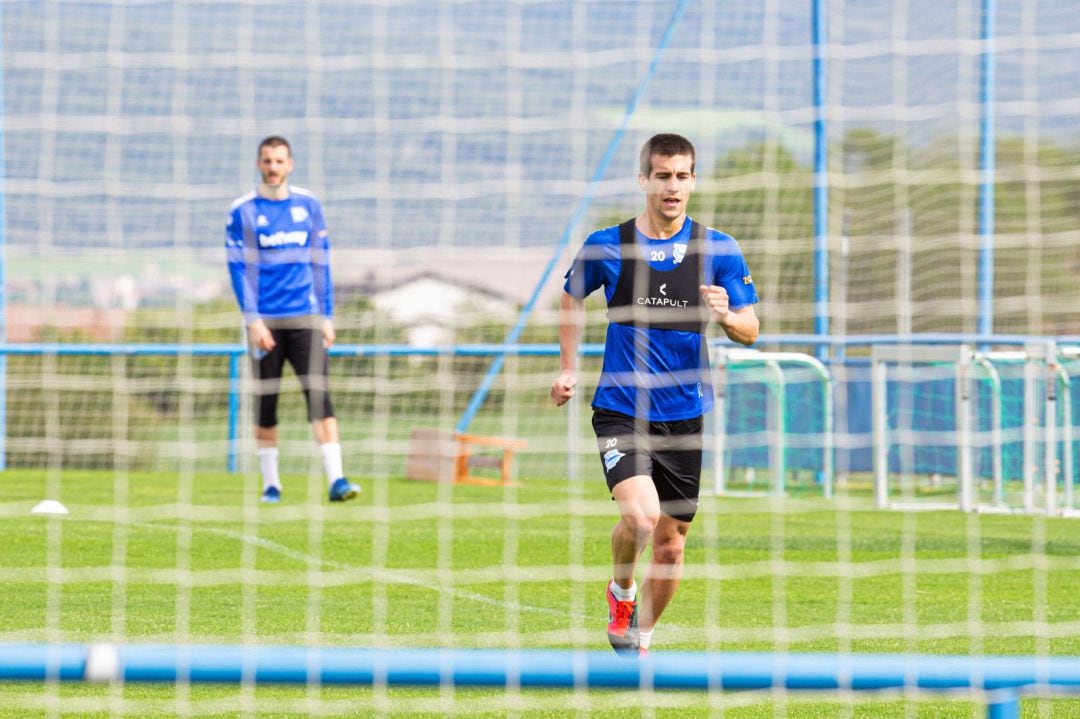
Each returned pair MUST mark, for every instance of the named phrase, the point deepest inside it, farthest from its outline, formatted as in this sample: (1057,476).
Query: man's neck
(659,228)
(280,192)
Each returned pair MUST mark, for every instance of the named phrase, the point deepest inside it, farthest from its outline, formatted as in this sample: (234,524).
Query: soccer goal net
(889,169)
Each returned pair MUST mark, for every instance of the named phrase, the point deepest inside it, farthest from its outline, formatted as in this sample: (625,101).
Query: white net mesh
(458,147)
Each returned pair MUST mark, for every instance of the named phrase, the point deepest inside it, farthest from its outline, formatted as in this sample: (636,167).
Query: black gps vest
(654,299)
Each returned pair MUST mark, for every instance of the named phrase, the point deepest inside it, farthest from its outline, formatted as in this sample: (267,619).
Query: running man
(664,276)
(279,262)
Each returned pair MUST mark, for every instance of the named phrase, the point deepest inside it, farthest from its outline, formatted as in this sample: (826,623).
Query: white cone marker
(49,506)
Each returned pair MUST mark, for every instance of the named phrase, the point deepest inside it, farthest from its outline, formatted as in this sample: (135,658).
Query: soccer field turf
(194,558)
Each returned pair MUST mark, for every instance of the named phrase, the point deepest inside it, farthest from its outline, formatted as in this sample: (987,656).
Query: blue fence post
(987,137)
(3,272)
(821,179)
(234,409)
(1003,704)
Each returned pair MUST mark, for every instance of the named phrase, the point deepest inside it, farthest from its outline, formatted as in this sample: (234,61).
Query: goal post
(1046,365)
(770,428)
(907,357)
(937,429)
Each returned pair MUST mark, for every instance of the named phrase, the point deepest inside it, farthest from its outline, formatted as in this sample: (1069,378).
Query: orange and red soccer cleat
(622,624)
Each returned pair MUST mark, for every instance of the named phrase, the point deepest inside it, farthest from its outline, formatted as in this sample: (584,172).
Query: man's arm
(571,323)
(258,333)
(237,262)
(324,288)
(319,240)
(739,325)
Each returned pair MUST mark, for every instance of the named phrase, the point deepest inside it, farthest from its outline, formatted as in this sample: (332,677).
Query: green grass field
(177,558)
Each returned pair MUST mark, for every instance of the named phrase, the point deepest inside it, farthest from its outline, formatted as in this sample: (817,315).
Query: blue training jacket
(278,253)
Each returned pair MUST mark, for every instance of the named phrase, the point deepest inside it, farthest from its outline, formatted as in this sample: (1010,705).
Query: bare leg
(639,510)
(665,569)
(265,437)
(325,430)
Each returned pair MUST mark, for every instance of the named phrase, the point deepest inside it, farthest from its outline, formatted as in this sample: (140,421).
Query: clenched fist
(562,389)
(716,299)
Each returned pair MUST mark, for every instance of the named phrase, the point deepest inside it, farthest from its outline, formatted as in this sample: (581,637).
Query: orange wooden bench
(442,456)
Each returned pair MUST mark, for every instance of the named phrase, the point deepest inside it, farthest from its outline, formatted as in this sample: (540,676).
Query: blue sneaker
(342,490)
(270,495)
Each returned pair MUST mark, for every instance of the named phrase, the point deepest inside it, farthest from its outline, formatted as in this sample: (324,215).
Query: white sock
(623,595)
(331,460)
(644,637)
(268,464)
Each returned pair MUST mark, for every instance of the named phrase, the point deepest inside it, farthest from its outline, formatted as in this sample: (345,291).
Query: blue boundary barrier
(854,459)
(1003,679)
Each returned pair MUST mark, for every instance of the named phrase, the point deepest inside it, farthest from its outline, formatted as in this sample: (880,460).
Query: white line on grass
(384,576)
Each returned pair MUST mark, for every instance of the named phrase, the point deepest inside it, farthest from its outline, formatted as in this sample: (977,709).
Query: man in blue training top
(278,254)
(664,276)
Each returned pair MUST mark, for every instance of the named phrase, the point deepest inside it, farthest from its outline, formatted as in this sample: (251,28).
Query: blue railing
(235,352)
(1002,680)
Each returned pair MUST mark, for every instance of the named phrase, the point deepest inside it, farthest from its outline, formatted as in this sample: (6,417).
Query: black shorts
(669,452)
(302,345)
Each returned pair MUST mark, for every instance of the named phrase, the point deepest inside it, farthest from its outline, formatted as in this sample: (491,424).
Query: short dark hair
(275,141)
(666,144)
